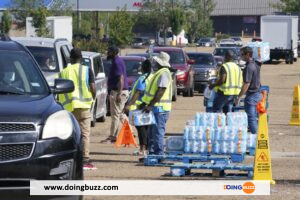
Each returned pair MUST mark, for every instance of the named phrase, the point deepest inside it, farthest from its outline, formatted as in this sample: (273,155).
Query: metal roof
(244,7)
(89,54)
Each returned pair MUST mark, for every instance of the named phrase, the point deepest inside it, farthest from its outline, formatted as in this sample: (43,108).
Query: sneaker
(89,166)
(138,153)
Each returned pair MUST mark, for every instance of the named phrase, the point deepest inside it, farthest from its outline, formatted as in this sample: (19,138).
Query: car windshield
(176,57)
(221,52)
(46,58)
(86,62)
(132,67)
(227,40)
(202,59)
(19,75)
(236,39)
(138,40)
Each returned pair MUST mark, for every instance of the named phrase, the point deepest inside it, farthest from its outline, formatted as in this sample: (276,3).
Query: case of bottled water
(251,141)
(140,118)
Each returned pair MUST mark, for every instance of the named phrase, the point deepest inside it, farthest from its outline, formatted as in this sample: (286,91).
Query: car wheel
(185,92)
(295,59)
(174,97)
(192,91)
(93,121)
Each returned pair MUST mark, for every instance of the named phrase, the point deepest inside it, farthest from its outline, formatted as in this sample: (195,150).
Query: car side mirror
(62,86)
(100,75)
(191,62)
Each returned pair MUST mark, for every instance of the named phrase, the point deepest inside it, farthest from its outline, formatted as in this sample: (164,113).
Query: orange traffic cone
(125,136)
(295,116)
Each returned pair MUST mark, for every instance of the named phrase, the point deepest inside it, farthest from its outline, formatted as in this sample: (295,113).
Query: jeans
(251,100)
(223,103)
(156,133)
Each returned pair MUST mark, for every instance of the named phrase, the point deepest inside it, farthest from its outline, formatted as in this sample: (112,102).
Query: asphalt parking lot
(120,164)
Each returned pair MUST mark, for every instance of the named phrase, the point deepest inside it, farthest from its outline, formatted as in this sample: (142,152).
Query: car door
(101,88)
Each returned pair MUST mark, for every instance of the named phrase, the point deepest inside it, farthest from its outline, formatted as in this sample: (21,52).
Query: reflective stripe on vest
(151,90)
(234,79)
(84,98)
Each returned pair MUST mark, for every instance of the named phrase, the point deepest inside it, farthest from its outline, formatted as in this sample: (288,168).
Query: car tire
(191,93)
(93,121)
(174,97)
(295,59)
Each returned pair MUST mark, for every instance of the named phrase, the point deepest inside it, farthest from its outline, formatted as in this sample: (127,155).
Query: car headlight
(213,72)
(58,125)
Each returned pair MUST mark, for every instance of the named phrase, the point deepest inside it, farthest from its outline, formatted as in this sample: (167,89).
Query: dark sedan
(205,67)
(38,138)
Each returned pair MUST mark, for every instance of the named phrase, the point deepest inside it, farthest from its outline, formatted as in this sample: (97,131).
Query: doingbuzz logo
(248,187)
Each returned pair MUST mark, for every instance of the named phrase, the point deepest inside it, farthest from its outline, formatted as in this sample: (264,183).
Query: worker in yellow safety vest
(158,98)
(79,101)
(137,93)
(228,85)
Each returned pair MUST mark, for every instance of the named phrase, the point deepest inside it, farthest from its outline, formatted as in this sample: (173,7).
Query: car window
(176,57)
(221,52)
(202,59)
(132,67)
(18,74)
(97,65)
(65,52)
(107,65)
(45,57)
(86,62)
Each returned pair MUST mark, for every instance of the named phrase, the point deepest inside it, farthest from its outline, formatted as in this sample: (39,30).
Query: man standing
(251,88)
(118,92)
(80,100)
(158,98)
(228,86)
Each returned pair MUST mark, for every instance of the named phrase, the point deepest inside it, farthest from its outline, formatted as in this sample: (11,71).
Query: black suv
(38,138)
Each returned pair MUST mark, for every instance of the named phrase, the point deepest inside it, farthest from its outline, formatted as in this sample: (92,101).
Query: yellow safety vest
(81,97)
(234,79)
(138,102)
(151,89)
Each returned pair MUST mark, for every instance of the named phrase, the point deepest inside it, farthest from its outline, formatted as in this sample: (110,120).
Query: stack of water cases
(214,133)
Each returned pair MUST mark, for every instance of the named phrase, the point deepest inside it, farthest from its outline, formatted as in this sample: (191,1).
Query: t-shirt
(164,80)
(251,74)
(118,69)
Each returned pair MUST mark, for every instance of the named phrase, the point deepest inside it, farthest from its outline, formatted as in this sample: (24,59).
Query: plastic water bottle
(192,132)
(232,147)
(203,146)
(195,146)
(198,119)
(218,134)
(224,147)
(186,133)
(187,146)
(216,148)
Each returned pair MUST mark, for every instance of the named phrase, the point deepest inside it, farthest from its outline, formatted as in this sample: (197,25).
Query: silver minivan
(94,61)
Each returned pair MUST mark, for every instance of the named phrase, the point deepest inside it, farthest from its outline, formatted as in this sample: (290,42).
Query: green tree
(39,21)
(177,20)
(120,27)
(290,6)
(200,24)
(6,22)
(24,8)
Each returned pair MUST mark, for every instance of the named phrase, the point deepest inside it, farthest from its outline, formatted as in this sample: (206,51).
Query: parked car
(133,68)
(220,51)
(99,109)
(140,42)
(256,39)
(227,43)
(238,41)
(185,73)
(219,60)
(298,44)
(52,55)
(205,67)
(206,42)
(146,55)
(39,140)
